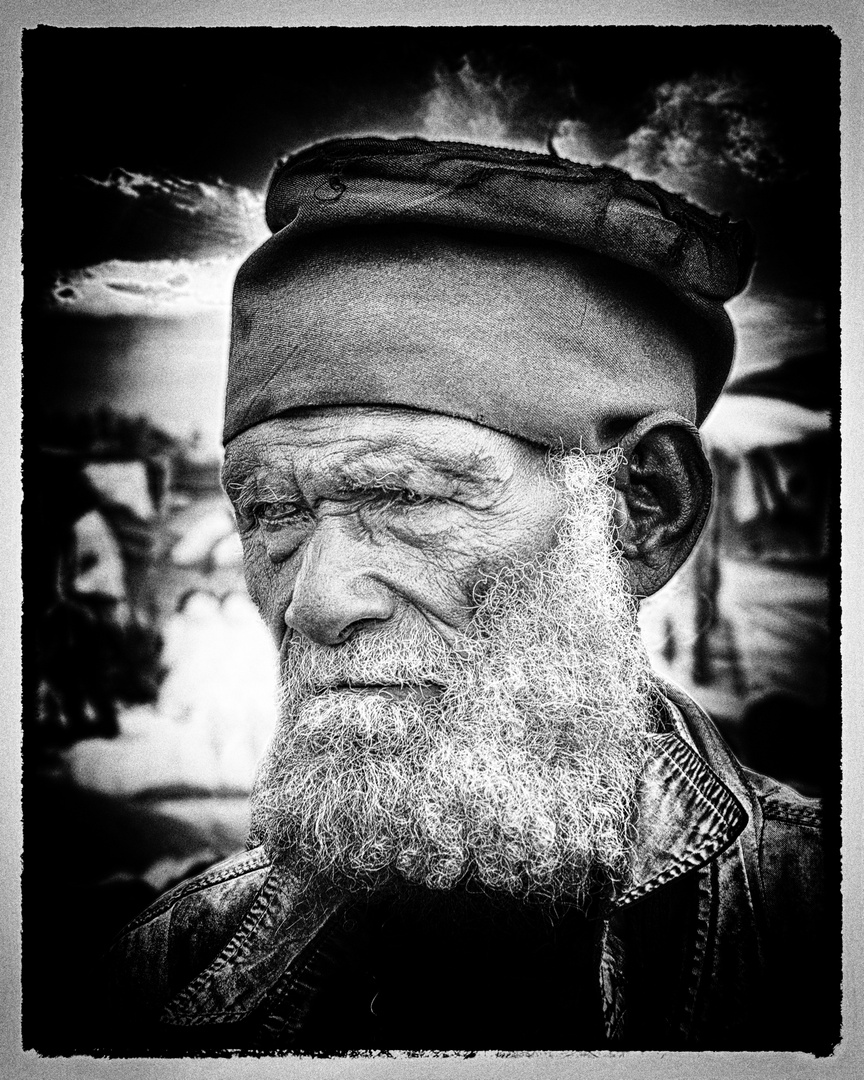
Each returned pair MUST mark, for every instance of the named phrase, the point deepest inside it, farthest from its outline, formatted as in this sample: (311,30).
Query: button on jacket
(723,939)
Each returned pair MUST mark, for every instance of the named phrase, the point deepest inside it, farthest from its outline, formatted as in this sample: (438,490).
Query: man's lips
(395,690)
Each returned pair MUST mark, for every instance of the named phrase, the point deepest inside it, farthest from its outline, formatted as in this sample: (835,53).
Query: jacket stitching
(246,864)
(808,816)
(695,858)
(251,922)
(714,793)
(706,930)
(233,1012)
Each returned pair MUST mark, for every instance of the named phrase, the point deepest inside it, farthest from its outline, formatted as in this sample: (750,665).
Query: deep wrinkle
(271,477)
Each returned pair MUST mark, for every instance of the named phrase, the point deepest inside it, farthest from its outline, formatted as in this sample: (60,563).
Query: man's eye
(406,497)
(276,514)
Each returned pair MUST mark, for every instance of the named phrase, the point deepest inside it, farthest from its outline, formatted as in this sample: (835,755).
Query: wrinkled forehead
(527,339)
(363,443)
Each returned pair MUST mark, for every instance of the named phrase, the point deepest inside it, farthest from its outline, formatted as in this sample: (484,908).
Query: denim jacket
(723,939)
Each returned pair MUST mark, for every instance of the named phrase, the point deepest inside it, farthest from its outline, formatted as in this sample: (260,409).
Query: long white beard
(519,775)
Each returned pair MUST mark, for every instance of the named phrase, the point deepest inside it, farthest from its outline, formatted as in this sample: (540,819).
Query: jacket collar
(277,931)
(685,816)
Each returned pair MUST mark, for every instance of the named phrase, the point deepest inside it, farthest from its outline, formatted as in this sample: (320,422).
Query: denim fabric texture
(720,941)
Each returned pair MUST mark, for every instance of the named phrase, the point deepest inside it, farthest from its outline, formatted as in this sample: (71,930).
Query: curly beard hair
(518,775)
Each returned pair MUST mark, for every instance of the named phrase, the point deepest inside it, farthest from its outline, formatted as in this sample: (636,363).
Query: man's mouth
(393,690)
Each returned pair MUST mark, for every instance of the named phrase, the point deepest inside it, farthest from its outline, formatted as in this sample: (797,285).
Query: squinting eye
(272,515)
(406,497)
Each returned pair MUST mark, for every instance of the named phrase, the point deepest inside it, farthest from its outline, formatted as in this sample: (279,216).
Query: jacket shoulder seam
(792,814)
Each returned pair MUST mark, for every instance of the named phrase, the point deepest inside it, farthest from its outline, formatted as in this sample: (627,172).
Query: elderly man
(460,443)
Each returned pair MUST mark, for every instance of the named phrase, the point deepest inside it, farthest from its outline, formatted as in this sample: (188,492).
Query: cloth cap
(402,272)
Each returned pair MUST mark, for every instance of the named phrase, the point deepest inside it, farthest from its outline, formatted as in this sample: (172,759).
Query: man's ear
(662,498)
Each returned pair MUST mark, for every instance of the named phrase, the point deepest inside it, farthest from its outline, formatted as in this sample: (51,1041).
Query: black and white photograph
(431,543)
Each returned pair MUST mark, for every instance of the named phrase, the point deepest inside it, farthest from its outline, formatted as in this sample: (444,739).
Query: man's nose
(333,598)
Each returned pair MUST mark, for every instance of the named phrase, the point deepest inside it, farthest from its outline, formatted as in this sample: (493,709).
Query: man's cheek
(448,585)
(263,584)
(444,566)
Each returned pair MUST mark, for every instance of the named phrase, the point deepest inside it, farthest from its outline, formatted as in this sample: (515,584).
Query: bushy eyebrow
(248,477)
(235,473)
(250,492)
(404,466)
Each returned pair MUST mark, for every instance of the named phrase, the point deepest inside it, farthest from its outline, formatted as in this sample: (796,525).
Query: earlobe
(663,494)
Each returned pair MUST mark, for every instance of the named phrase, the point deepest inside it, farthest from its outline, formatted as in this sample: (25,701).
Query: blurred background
(149,684)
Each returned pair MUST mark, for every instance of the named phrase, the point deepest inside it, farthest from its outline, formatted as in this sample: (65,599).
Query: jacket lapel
(687,819)
(685,815)
(276,931)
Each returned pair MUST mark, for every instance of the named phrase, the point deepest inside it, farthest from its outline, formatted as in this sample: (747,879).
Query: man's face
(359,519)
(464,692)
